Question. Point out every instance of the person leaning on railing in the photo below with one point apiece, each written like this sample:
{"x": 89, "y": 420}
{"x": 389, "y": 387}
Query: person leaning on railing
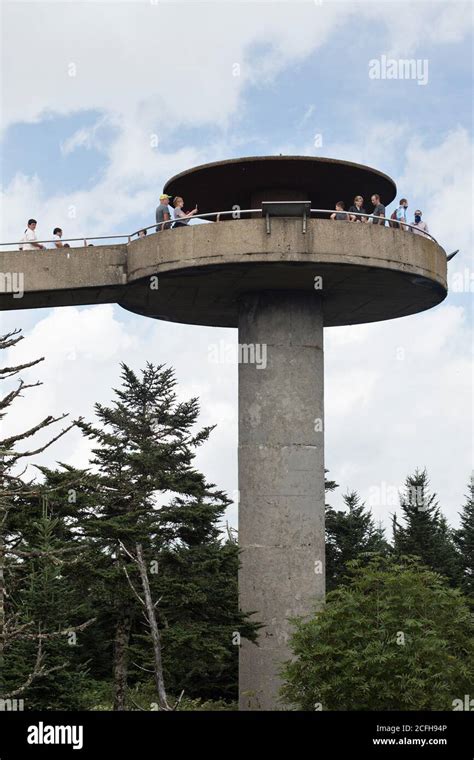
{"x": 340, "y": 215}
{"x": 29, "y": 238}
{"x": 181, "y": 217}
{"x": 401, "y": 214}
{"x": 30, "y": 241}
{"x": 57, "y": 235}
{"x": 379, "y": 210}
{"x": 358, "y": 206}
{"x": 162, "y": 213}
{"x": 421, "y": 227}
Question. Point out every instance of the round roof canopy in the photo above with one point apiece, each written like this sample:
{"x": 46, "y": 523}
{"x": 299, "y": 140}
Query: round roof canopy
{"x": 245, "y": 181}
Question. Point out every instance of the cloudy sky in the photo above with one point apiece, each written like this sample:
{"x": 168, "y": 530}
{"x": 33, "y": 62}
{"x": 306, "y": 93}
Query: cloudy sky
{"x": 103, "y": 101}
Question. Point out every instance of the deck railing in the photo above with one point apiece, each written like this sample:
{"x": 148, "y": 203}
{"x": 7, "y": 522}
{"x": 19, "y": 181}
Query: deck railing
{"x": 215, "y": 216}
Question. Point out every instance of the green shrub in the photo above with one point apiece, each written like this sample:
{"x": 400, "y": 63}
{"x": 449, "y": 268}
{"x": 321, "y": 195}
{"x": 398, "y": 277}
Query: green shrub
{"x": 396, "y": 637}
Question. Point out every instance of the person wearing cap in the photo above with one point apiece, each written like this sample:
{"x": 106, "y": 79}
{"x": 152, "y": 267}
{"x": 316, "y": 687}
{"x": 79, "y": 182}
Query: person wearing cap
{"x": 421, "y": 227}
{"x": 163, "y": 212}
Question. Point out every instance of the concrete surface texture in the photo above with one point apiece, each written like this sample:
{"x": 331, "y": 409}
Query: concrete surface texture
{"x": 368, "y": 272}
{"x": 281, "y": 477}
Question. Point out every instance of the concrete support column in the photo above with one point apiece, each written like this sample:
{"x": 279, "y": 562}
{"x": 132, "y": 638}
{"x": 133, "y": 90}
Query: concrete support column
{"x": 281, "y": 478}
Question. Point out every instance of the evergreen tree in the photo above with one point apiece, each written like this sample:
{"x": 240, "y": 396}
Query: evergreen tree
{"x": 198, "y": 611}
{"x": 143, "y": 454}
{"x": 349, "y": 535}
{"x": 42, "y": 593}
{"x": 425, "y": 532}
{"x": 464, "y": 539}
{"x": 29, "y": 556}
{"x": 329, "y": 485}
{"x": 330, "y": 538}
{"x": 71, "y": 497}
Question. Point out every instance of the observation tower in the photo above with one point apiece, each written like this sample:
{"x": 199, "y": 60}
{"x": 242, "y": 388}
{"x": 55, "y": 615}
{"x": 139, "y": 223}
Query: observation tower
{"x": 275, "y": 267}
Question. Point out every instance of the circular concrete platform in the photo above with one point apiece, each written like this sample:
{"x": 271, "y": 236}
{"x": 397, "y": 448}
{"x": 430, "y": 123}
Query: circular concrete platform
{"x": 245, "y": 182}
{"x": 369, "y": 273}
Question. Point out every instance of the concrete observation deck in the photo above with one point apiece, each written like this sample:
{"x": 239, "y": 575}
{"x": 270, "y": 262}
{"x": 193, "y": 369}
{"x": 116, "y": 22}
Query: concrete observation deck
{"x": 369, "y": 272}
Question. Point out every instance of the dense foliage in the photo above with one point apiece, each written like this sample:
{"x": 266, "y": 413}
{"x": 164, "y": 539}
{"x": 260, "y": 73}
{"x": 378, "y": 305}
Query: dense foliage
{"x": 394, "y": 637}
{"x": 118, "y": 583}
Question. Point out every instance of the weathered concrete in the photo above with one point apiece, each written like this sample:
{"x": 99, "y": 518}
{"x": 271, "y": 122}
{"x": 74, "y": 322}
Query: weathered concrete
{"x": 281, "y": 477}
{"x": 66, "y": 276}
{"x": 368, "y": 272}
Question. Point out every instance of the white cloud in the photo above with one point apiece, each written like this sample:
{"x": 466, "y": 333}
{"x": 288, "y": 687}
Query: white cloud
{"x": 194, "y": 62}
{"x": 384, "y": 416}
{"x": 411, "y": 406}
{"x": 85, "y": 58}
{"x": 86, "y": 137}
{"x": 85, "y": 53}
{"x": 442, "y": 175}
{"x": 387, "y": 411}
{"x": 128, "y": 188}
{"x": 90, "y": 338}
{"x": 83, "y": 348}
{"x": 427, "y": 23}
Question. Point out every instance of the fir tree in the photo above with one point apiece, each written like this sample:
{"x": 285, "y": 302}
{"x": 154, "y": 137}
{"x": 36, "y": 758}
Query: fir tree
{"x": 349, "y": 535}
{"x": 330, "y": 538}
{"x": 425, "y": 532}
{"x": 143, "y": 454}
{"x": 42, "y": 592}
{"x": 27, "y": 620}
{"x": 72, "y": 499}
{"x": 464, "y": 539}
{"x": 197, "y": 585}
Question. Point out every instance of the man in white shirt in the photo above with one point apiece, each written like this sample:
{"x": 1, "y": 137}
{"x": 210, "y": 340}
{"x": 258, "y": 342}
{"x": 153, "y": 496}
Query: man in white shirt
{"x": 57, "y": 235}
{"x": 29, "y": 238}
